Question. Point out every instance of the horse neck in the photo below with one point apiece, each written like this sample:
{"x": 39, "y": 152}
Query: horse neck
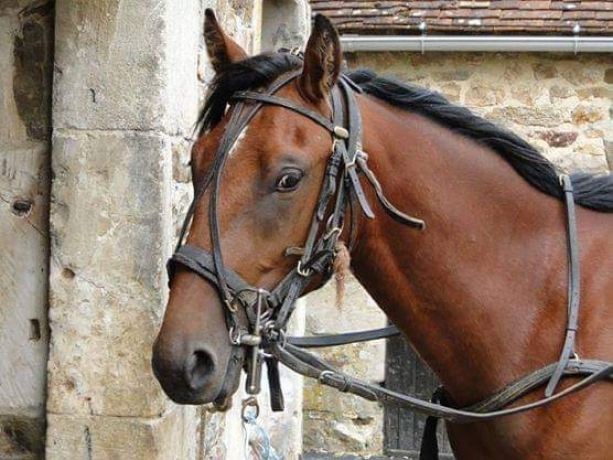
{"x": 480, "y": 292}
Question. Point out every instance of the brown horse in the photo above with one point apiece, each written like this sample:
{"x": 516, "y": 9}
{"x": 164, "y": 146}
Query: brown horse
{"x": 481, "y": 293}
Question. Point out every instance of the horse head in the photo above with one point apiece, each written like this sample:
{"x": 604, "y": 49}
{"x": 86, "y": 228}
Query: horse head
{"x": 257, "y": 173}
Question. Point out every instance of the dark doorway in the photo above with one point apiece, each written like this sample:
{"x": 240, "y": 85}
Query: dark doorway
{"x": 403, "y": 429}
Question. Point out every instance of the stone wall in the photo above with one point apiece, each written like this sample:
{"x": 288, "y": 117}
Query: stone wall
{"x": 562, "y": 104}
{"x": 26, "y": 62}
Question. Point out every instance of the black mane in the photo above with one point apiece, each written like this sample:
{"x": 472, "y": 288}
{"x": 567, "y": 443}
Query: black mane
{"x": 591, "y": 191}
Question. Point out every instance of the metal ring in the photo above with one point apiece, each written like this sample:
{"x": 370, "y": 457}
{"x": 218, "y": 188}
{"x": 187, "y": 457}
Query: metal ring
{"x": 250, "y": 402}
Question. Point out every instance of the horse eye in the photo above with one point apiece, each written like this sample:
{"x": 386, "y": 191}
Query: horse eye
{"x": 288, "y": 181}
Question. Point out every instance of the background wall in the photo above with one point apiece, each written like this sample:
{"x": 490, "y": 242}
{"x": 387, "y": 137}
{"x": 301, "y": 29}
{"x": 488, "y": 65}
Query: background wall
{"x": 562, "y": 104}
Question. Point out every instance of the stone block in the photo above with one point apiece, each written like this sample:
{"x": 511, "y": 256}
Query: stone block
{"x": 174, "y": 436}
{"x": 608, "y": 149}
{"x": 109, "y": 77}
{"x": 586, "y": 113}
{"x": 483, "y": 96}
{"x": 24, "y": 196}
{"x": 111, "y": 234}
{"x": 547, "y": 116}
{"x": 284, "y": 24}
{"x": 558, "y": 138}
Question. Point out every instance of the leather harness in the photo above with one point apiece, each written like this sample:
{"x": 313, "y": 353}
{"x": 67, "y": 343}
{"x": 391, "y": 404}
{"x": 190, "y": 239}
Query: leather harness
{"x": 257, "y": 318}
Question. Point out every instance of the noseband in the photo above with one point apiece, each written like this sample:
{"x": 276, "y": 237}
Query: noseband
{"x": 255, "y": 316}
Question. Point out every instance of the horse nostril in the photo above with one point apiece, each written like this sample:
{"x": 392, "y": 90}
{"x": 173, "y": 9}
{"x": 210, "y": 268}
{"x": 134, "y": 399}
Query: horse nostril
{"x": 198, "y": 369}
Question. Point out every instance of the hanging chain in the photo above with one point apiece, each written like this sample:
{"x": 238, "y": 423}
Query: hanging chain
{"x": 257, "y": 442}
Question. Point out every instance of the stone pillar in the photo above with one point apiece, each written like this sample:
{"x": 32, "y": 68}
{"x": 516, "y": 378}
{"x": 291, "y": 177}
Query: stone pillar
{"x": 125, "y": 98}
{"x": 26, "y": 62}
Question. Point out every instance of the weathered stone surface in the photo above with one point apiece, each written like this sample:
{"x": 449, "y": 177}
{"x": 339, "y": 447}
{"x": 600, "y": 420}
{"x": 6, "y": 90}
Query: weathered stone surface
{"x": 586, "y": 114}
{"x": 608, "y": 148}
{"x": 544, "y": 71}
{"x": 608, "y": 76}
{"x": 558, "y": 138}
{"x": 459, "y": 74}
{"x": 562, "y": 91}
{"x": 108, "y": 77}
{"x": 605, "y": 91}
{"x": 451, "y": 91}
{"x": 528, "y": 116}
{"x": 110, "y": 230}
{"x": 284, "y": 25}
{"x": 528, "y": 94}
{"x": 481, "y": 96}
{"x": 580, "y": 74}
{"x": 119, "y": 438}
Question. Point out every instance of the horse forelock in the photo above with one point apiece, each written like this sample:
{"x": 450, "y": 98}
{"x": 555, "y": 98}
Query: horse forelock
{"x": 249, "y": 74}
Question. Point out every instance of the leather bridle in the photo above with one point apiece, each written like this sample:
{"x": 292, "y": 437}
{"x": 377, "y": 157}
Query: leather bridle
{"x": 265, "y": 314}
{"x": 257, "y": 318}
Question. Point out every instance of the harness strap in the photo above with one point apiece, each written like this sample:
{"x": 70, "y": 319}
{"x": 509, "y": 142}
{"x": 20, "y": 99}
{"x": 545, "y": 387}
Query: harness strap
{"x": 201, "y": 262}
{"x": 390, "y": 209}
{"x": 574, "y": 286}
{"x": 343, "y": 339}
{"x": 312, "y": 366}
{"x": 276, "y": 100}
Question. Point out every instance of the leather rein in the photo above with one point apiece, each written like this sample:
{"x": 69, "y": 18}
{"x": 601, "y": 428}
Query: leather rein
{"x": 257, "y": 318}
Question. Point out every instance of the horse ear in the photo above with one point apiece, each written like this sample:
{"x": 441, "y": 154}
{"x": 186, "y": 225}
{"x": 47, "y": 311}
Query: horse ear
{"x": 322, "y": 61}
{"x": 222, "y": 49}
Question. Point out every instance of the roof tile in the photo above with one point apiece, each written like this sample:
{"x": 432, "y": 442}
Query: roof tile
{"x": 538, "y": 17}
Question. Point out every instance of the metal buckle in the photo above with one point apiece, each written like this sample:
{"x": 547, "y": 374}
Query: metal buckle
{"x": 304, "y": 272}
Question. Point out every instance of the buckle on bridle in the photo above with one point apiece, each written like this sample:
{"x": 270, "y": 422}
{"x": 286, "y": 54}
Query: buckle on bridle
{"x": 304, "y": 272}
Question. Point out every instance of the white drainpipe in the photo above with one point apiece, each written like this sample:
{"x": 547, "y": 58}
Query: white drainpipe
{"x": 481, "y": 43}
